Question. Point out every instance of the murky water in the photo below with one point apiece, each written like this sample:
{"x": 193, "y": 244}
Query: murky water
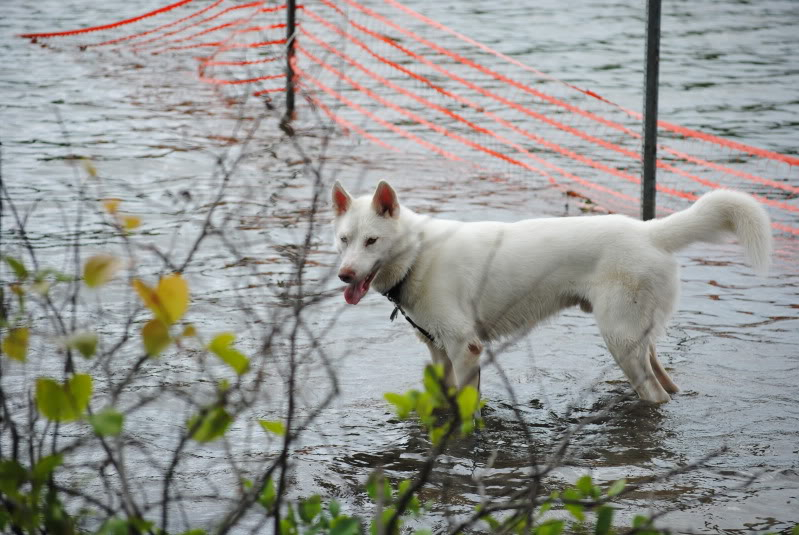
{"x": 155, "y": 133}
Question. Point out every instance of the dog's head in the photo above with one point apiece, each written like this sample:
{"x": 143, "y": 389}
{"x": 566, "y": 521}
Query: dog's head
{"x": 366, "y": 231}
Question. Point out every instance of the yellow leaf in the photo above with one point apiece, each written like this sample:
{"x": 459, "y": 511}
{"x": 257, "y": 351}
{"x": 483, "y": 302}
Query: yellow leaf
{"x": 168, "y": 301}
{"x": 146, "y": 293}
{"x": 15, "y": 345}
{"x": 155, "y": 336}
{"x": 189, "y": 331}
{"x": 130, "y": 222}
{"x": 111, "y": 205}
{"x": 100, "y": 269}
{"x": 88, "y": 165}
{"x": 174, "y": 295}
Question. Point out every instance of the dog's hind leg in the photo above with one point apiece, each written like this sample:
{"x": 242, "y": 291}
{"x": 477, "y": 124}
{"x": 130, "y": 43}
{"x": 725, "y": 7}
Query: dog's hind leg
{"x": 628, "y": 317}
{"x": 633, "y": 358}
{"x": 661, "y": 373}
{"x": 628, "y": 342}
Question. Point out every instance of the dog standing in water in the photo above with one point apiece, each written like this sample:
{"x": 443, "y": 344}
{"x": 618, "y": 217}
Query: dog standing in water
{"x": 463, "y": 284}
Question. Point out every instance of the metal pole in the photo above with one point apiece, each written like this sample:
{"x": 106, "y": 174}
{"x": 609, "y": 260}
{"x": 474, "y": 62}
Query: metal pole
{"x": 649, "y": 152}
{"x": 290, "y": 37}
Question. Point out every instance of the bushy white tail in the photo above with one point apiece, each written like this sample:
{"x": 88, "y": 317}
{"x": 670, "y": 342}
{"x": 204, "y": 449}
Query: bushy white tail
{"x": 713, "y": 216}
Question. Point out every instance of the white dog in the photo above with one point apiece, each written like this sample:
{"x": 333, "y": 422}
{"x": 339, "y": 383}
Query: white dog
{"x": 462, "y": 284}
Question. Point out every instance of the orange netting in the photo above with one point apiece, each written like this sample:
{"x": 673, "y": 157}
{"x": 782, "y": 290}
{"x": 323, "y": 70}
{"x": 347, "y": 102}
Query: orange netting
{"x": 398, "y": 78}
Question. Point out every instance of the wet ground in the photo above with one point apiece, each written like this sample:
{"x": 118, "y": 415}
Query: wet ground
{"x": 154, "y": 139}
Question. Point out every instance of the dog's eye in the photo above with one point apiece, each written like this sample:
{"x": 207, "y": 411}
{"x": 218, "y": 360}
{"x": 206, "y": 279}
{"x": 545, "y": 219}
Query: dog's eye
{"x": 344, "y": 240}
{"x": 370, "y": 241}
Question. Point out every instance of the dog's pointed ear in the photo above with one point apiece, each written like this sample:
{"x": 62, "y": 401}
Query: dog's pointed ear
{"x": 341, "y": 199}
{"x": 385, "y": 200}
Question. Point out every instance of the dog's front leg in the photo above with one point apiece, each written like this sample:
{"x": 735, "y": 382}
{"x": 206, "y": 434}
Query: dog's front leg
{"x": 439, "y": 356}
{"x": 465, "y": 359}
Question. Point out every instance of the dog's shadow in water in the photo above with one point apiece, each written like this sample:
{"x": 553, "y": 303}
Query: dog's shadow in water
{"x": 613, "y": 431}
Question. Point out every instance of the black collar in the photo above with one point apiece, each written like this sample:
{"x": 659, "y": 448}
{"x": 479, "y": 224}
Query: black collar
{"x": 393, "y": 295}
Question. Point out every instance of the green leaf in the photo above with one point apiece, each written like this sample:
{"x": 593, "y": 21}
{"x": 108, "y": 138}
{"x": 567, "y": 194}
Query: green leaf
{"x": 345, "y": 526}
{"x": 616, "y": 488}
{"x": 424, "y": 407}
{"x": 492, "y": 522}
{"x": 79, "y": 392}
{"x": 107, "y": 422}
{"x": 604, "y": 520}
{"x": 155, "y": 336}
{"x": 640, "y": 521}
{"x": 551, "y": 527}
{"x": 63, "y": 403}
{"x": 114, "y": 526}
{"x": 584, "y": 485}
{"x": 221, "y": 346}
{"x": 12, "y": 476}
{"x": 310, "y": 508}
{"x": 213, "y": 425}
{"x": 100, "y": 269}
{"x": 402, "y": 403}
{"x": 50, "y": 399}
{"x": 382, "y": 522}
{"x": 576, "y": 511}
{"x": 433, "y": 375}
{"x": 403, "y": 488}
{"x": 57, "y": 275}
{"x": 467, "y": 427}
{"x": 795, "y": 530}
{"x": 378, "y": 487}
{"x": 275, "y": 427}
{"x": 268, "y": 495}
{"x": 437, "y": 433}
{"x": 194, "y": 532}
{"x": 17, "y": 266}
{"x": 288, "y": 526}
{"x": 15, "y": 344}
{"x": 468, "y": 400}
{"x": 371, "y": 487}
{"x": 45, "y": 466}
{"x": 335, "y": 508}
{"x": 84, "y": 342}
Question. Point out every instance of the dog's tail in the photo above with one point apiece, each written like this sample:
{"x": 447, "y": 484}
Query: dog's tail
{"x": 713, "y": 216}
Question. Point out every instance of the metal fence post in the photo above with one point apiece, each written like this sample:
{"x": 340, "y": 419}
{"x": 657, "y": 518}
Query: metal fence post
{"x": 649, "y": 150}
{"x": 291, "y": 12}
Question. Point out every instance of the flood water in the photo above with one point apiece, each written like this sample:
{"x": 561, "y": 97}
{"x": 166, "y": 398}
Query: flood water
{"x": 155, "y": 133}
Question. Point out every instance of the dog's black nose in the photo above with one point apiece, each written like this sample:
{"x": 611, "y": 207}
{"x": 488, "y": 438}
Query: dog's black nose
{"x": 346, "y": 275}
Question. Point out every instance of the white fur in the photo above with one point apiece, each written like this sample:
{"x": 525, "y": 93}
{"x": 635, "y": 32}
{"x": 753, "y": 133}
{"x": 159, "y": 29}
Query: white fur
{"x": 470, "y": 283}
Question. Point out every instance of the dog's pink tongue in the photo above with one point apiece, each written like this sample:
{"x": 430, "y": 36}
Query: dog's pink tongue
{"x": 354, "y": 292}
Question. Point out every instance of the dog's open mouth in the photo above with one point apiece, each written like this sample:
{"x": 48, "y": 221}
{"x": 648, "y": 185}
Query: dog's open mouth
{"x": 354, "y": 292}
